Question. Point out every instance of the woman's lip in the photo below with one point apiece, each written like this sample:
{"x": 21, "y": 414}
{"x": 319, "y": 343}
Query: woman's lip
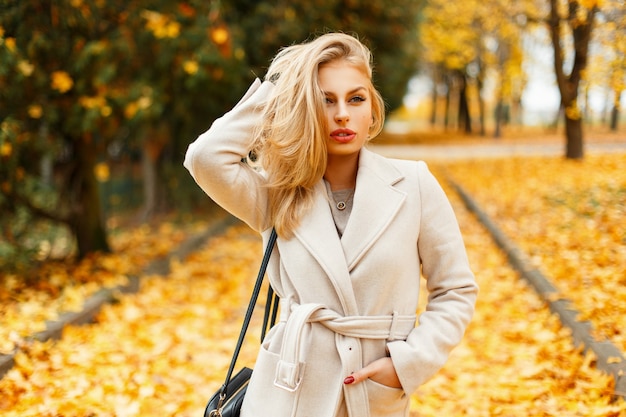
{"x": 343, "y": 135}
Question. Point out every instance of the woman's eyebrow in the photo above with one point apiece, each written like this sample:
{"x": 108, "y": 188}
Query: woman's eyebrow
{"x": 356, "y": 90}
{"x": 353, "y": 91}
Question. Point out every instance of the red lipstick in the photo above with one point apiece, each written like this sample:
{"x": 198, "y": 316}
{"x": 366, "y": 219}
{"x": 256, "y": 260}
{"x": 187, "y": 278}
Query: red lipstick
{"x": 343, "y": 135}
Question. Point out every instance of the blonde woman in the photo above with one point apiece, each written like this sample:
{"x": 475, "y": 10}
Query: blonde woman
{"x": 355, "y": 231}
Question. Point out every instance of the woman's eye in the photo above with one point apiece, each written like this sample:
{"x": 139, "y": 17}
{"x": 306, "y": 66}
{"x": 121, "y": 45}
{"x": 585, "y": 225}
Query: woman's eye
{"x": 328, "y": 100}
{"x": 357, "y": 99}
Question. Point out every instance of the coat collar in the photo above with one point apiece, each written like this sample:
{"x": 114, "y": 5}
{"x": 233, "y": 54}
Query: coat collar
{"x": 376, "y": 202}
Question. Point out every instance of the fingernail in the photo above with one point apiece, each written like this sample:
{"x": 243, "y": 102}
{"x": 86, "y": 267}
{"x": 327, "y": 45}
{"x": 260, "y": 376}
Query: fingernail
{"x": 348, "y": 380}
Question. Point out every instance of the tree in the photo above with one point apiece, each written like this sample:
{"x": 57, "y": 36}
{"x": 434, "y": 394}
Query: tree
{"x": 77, "y": 76}
{"x": 453, "y": 33}
{"x": 449, "y": 43}
{"x": 609, "y": 64}
{"x": 81, "y": 77}
{"x": 467, "y": 42}
{"x": 574, "y": 19}
{"x": 46, "y": 112}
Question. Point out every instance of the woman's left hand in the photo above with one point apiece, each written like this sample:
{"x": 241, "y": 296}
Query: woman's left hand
{"x": 381, "y": 371}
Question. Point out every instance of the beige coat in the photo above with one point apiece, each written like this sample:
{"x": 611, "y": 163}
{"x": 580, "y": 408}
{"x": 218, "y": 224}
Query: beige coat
{"x": 348, "y": 301}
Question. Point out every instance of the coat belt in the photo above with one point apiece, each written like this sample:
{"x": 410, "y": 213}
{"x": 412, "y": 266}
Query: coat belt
{"x": 290, "y": 367}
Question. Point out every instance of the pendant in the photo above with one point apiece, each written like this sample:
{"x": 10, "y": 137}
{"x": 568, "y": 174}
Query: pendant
{"x": 341, "y": 205}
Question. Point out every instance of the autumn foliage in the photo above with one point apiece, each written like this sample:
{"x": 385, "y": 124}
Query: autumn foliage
{"x": 92, "y": 88}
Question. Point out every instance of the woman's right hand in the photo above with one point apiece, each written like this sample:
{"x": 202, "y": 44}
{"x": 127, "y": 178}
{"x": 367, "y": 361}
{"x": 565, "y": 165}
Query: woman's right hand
{"x": 381, "y": 371}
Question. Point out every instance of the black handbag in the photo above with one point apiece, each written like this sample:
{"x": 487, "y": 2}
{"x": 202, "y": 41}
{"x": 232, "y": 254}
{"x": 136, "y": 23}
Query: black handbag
{"x": 227, "y": 401}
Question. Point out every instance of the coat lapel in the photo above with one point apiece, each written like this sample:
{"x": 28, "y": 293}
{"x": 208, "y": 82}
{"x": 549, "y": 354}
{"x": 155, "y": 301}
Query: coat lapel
{"x": 376, "y": 202}
{"x": 317, "y": 232}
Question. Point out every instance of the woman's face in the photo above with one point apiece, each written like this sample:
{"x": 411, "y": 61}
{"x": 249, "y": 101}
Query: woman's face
{"x": 348, "y": 107}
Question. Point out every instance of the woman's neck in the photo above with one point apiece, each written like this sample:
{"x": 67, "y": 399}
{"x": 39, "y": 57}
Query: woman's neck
{"x": 341, "y": 171}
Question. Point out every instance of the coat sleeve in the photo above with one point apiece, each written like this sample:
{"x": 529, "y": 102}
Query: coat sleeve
{"x": 214, "y": 159}
{"x": 451, "y": 285}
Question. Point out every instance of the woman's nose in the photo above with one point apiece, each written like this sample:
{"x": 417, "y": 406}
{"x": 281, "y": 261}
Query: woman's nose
{"x": 342, "y": 114}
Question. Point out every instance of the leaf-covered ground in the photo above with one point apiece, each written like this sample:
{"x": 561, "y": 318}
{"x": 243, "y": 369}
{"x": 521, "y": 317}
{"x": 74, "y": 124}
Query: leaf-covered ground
{"x": 570, "y": 218}
{"x": 159, "y": 352}
{"x": 61, "y": 286}
{"x": 164, "y": 350}
{"x": 516, "y": 358}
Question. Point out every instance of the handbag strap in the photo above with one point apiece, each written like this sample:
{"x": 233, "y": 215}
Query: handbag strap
{"x": 271, "y": 307}
{"x": 255, "y": 295}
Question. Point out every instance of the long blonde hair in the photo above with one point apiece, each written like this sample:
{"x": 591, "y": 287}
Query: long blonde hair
{"x": 291, "y": 141}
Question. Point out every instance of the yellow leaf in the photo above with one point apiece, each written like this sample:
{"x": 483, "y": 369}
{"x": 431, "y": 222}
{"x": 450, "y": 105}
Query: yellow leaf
{"x": 191, "y": 67}
{"x": 25, "y": 67}
{"x": 131, "y": 109}
{"x": 61, "y": 81}
{"x": 173, "y": 29}
{"x": 35, "y": 111}
{"x": 90, "y": 102}
{"x": 6, "y": 149}
{"x": 23, "y": 363}
{"x": 102, "y": 172}
{"x": 10, "y": 43}
{"x": 573, "y": 112}
{"x": 219, "y": 35}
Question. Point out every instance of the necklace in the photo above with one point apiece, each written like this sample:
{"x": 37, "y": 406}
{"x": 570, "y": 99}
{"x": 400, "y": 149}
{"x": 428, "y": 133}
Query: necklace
{"x": 341, "y": 204}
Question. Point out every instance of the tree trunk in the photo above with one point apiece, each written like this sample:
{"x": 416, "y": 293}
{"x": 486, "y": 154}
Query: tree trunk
{"x": 513, "y": 115}
{"x": 446, "y": 118}
{"x": 149, "y": 173}
{"x": 615, "y": 111}
{"x": 574, "y": 132}
{"x": 87, "y": 221}
{"x": 568, "y": 83}
{"x": 586, "y": 113}
{"x": 499, "y": 116}
{"x": 614, "y": 118}
{"x": 152, "y": 149}
{"x": 557, "y": 117}
{"x": 481, "y": 107}
{"x": 433, "y": 111}
{"x": 465, "y": 121}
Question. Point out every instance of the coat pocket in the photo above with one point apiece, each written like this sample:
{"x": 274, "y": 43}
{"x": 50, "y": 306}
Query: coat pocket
{"x": 386, "y": 401}
{"x": 263, "y": 398}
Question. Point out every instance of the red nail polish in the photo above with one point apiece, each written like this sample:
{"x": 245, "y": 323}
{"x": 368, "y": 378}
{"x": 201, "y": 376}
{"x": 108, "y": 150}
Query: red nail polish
{"x": 348, "y": 380}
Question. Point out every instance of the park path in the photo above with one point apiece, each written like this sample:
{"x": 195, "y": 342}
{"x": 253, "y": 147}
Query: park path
{"x": 488, "y": 149}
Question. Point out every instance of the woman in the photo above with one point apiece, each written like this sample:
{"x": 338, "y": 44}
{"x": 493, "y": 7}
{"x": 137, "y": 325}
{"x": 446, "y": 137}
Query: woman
{"x": 355, "y": 230}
